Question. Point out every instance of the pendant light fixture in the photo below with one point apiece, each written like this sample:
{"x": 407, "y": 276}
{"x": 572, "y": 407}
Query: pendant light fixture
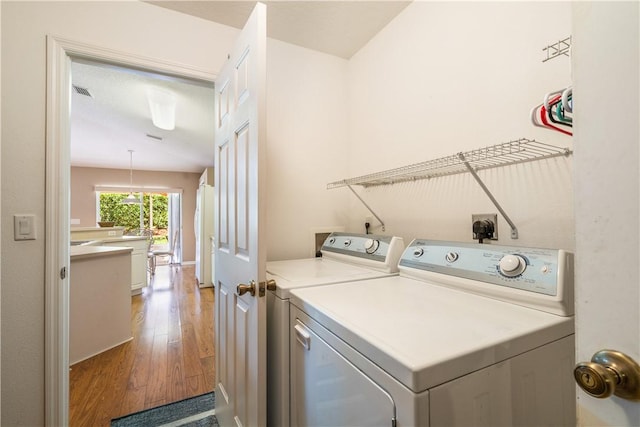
{"x": 131, "y": 199}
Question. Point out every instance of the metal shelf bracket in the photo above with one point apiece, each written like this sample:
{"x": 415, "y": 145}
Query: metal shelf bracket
{"x": 514, "y": 230}
{"x": 367, "y": 206}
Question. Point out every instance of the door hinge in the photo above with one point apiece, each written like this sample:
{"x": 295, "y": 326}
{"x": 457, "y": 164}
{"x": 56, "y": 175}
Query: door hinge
{"x": 63, "y": 273}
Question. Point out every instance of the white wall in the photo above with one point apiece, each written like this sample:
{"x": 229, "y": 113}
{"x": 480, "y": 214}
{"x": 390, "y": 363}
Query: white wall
{"x": 307, "y": 140}
{"x": 132, "y": 27}
{"x": 445, "y": 77}
{"x": 150, "y": 31}
{"x": 606, "y": 70}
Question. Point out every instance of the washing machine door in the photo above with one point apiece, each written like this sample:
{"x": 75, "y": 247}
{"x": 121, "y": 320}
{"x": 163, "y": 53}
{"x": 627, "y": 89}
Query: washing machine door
{"x": 328, "y": 390}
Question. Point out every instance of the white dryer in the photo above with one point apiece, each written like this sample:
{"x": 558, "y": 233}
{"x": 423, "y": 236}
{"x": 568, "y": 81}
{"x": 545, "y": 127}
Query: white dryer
{"x": 466, "y": 335}
{"x": 345, "y": 258}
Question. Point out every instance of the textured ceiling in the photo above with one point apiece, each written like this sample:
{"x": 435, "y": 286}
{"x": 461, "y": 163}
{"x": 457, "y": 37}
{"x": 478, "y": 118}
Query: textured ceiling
{"x": 338, "y": 28}
{"x": 116, "y": 118}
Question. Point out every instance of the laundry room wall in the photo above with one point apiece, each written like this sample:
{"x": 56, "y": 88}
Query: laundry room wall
{"x": 307, "y": 143}
{"x": 448, "y": 77}
{"x": 296, "y": 165}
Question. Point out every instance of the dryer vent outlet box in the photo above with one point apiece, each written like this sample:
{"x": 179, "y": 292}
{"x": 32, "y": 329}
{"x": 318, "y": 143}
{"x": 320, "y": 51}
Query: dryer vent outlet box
{"x": 320, "y": 238}
{"x": 486, "y": 217}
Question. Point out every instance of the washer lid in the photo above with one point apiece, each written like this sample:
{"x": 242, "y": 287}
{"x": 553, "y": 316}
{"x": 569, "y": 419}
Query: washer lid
{"x": 299, "y": 273}
{"x": 424, "y": 334}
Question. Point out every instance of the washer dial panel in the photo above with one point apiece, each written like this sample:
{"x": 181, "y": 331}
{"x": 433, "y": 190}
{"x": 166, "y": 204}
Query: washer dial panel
{"x": 530, "y": 269}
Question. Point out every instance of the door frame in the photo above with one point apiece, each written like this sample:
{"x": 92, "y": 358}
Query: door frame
{"x": 60, "y": 53}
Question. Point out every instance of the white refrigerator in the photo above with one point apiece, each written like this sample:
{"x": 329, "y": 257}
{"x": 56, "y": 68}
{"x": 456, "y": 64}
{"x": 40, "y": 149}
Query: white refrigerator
{"x": 203, "y": 224}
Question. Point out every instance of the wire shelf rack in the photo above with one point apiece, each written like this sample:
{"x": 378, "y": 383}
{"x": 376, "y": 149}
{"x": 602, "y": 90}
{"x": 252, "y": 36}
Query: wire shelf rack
{"x": 508, "y": 153}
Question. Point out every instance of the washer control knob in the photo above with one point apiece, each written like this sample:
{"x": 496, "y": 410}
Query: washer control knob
{"x": 371, "y": 245}
{"x": 512, "y": 265}
{"x": 332, "y": 240}
{"x": 417, "y": 252}
{"x": 347, "y": 243}
{"x": 451, "y": 256}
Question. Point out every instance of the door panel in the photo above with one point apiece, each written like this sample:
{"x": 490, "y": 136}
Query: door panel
{"x": 223, "y": 194}
{"x": 240, "y": 255}
{"x": 242, "y": 348}
{"x": 242, "y": 213}
{"x": 607, "y": 225}
{"x": 223, "y": 102}
{"x": 222, "y": 350}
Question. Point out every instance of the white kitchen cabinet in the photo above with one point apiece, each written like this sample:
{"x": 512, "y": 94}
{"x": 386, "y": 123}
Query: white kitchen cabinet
{"x": 139, "y": 244}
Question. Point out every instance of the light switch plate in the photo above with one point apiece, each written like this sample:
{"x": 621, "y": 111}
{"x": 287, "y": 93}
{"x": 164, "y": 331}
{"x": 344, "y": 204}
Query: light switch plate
{"x": 24, "y": 227}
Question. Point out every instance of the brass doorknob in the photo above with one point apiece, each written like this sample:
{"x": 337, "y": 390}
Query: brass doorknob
{"x": 242, "y": 289}
{"x": 609, "y": 372}
{"x": 271, "y": 285}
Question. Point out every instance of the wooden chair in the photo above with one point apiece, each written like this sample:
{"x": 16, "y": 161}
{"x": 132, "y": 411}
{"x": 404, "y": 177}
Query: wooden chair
{"x": 163, "y": 253}
{"x": 148, "y": 233}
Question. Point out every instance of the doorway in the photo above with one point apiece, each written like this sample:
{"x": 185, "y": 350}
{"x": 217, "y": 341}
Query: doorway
{"x": 61, "y": 53}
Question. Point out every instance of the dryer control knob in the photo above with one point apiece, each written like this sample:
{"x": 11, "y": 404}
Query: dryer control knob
{"x": 512, "y": 265}
{"x": 371, "y": 245}
{"x": 451, "y": 256}
{"x": 417, "y": 252}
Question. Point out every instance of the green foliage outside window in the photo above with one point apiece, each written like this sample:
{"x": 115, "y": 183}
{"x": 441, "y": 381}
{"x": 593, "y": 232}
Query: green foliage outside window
{"x": 112, "y": 209}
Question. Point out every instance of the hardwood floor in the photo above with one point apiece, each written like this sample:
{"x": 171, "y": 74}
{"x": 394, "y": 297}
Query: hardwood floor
{"x": 171, "y": 356}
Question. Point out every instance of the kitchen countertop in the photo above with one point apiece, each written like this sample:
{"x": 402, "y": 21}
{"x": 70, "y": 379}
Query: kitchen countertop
{"x": 98, "y": 241}
{"x": 85, "y": 251}
{"x": 117, "y": 227}
{"x": 117, "y": 239}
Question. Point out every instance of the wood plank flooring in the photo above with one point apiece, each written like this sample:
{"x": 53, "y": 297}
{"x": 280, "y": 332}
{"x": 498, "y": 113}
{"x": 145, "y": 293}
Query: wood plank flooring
{"x": 170, "y": 358}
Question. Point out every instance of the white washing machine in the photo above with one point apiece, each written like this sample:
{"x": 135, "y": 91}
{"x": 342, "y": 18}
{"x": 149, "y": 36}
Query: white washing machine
{"x": 466, "y": 335}
{"x": 345, "y": 258}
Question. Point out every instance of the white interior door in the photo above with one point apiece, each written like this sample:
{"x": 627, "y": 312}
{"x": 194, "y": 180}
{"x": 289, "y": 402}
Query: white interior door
{"x": 607, "y": 194}
{"x": 240, "y": 255}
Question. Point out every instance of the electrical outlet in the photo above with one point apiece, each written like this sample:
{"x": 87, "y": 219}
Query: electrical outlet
{"x": 490, "y": 217}
{"x": 368, "y": 220}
